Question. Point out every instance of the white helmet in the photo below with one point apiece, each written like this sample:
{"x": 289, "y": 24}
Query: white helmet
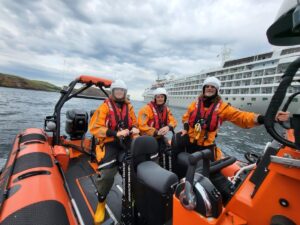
{"x": 118, "y": 84}
{"x": 213, "y": 81}
{"x": 160, "y": 91}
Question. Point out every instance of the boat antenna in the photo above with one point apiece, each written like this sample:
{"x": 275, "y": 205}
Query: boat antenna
{"x": 158, "y": 78}
{"x": 225, "y": 54}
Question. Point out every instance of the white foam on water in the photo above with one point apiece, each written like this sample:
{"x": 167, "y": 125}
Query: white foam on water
{"x": 2, "y": 162}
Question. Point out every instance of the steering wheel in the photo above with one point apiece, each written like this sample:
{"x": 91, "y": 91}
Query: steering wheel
{"x": 277, "y": 100}
{"x": 287, "y": 125}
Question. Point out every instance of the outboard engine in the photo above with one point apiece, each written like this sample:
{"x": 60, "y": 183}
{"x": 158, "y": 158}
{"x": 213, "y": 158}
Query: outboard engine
{"x": 76, "y": 123}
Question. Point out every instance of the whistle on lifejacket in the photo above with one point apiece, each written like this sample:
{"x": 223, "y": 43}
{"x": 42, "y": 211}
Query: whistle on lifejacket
{"x": 197, "y": 130}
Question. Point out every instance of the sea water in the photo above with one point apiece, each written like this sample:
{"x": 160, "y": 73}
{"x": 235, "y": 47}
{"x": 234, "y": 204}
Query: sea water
{"x": 21, "y": 109}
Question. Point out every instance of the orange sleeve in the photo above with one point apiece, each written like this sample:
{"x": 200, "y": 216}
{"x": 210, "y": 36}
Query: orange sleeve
{"x": 97, "y": 126}
{"x": 172, "y": 120}
{"x": 132, "y": 116}
{"x": 186, "y": 116}
{"x": 240, "y": 118}
{"x": 143, "y": 118}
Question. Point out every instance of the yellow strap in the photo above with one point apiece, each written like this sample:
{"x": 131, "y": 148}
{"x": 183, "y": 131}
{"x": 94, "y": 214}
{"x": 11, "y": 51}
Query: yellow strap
{"x": 100, "y": 152}
{"x": 218, "y": 153}
{"x": 197, "y": 131}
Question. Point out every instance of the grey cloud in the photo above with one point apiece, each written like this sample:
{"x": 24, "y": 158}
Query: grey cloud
{"x": 75, "y": 10}
{"x": 133, "y": 38}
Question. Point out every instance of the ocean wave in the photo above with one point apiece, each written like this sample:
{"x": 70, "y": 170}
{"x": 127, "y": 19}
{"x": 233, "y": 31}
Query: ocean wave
{"x": 9, "y": 113}
{"x": 2, "y": 162}
{"x": 30, "y": 109}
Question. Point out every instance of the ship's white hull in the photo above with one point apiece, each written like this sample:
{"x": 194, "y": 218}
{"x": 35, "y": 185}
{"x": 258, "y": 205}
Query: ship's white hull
{"x": 248, "y": 104}
{"x": 246, "y": 83}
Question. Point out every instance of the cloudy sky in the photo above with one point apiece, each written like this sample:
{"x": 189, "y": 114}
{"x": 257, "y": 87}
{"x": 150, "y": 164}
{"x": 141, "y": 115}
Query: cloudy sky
{"x": 133, "y": 40}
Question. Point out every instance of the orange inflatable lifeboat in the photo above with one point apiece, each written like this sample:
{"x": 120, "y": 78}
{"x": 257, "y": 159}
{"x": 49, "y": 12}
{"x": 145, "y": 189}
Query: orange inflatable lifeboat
{"x": 47, "y": 179}
{"x": 32, "y": 187}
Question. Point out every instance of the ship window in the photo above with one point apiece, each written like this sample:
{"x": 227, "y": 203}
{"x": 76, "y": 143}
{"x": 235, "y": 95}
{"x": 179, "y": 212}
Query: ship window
{"x": 265, "y": 99}
{"x": 256, "y": 81}
{"x": 233, "y": 99}
{"x": 253, "y": 99}
{"x": 249, "y": 103}
{"x": 254, "y": 90}
{"x": 242, "y": 99}
{"x": 295, "y": 100}
{"x": 245, "y": 91}
{"x": 226, "y": 98}
{"x": 266, "y": 90}
{"x": 236, "y": 91}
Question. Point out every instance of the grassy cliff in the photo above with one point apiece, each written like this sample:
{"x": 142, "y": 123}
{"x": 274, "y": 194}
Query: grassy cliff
{"x": 19, "y": 82}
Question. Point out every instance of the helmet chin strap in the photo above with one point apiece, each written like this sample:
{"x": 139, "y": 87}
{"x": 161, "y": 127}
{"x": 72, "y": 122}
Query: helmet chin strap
{"x": 159, "y": 104}
{"x": 119, "y": 100}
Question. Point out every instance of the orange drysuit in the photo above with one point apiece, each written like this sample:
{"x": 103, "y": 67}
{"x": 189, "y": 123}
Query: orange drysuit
{"x": 146, "y": 115}
{"x": 226, "y": 112}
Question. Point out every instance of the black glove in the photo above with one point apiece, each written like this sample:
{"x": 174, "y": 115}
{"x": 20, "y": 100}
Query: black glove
{"x": 186, "y": 126}
{"x": 261, "y": 119}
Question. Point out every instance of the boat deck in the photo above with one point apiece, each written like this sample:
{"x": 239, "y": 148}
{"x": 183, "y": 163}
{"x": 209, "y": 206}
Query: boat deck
{"x": 84, "y": 192}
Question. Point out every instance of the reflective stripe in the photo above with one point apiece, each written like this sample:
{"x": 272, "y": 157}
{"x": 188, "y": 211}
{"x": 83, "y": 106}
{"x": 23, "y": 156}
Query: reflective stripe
{"x": 154, "y": 156}
{"x": 106, "y": 164}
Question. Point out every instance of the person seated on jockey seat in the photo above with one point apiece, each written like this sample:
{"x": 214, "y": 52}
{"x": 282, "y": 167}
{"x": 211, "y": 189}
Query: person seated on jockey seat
{"x": 156, "y": 119}
{"x": 204, "y": 117}
{"x": 113, "y": 119}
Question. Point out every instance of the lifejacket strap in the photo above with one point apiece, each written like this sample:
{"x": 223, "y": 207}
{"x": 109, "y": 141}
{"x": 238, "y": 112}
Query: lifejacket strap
{"x": 171, "y": 128}
{"x": 186, "y": 126}
{"x": 111, "y": 133}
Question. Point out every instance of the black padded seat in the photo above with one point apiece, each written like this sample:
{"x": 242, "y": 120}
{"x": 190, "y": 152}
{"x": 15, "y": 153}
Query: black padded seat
{"x": 142, "y": 148}
{"x": 216, "y": 177}
{"x": 182, "y": 163}
{"x": 183, "y": 158}
{"x": 92, "y": 112}
{"x": 155, "y": 177}
{"x": 154, "y": 187}
{"x": 216, "y": 166}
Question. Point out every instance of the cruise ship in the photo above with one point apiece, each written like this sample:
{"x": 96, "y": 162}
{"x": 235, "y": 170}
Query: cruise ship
{"x": 247, "y": 83}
